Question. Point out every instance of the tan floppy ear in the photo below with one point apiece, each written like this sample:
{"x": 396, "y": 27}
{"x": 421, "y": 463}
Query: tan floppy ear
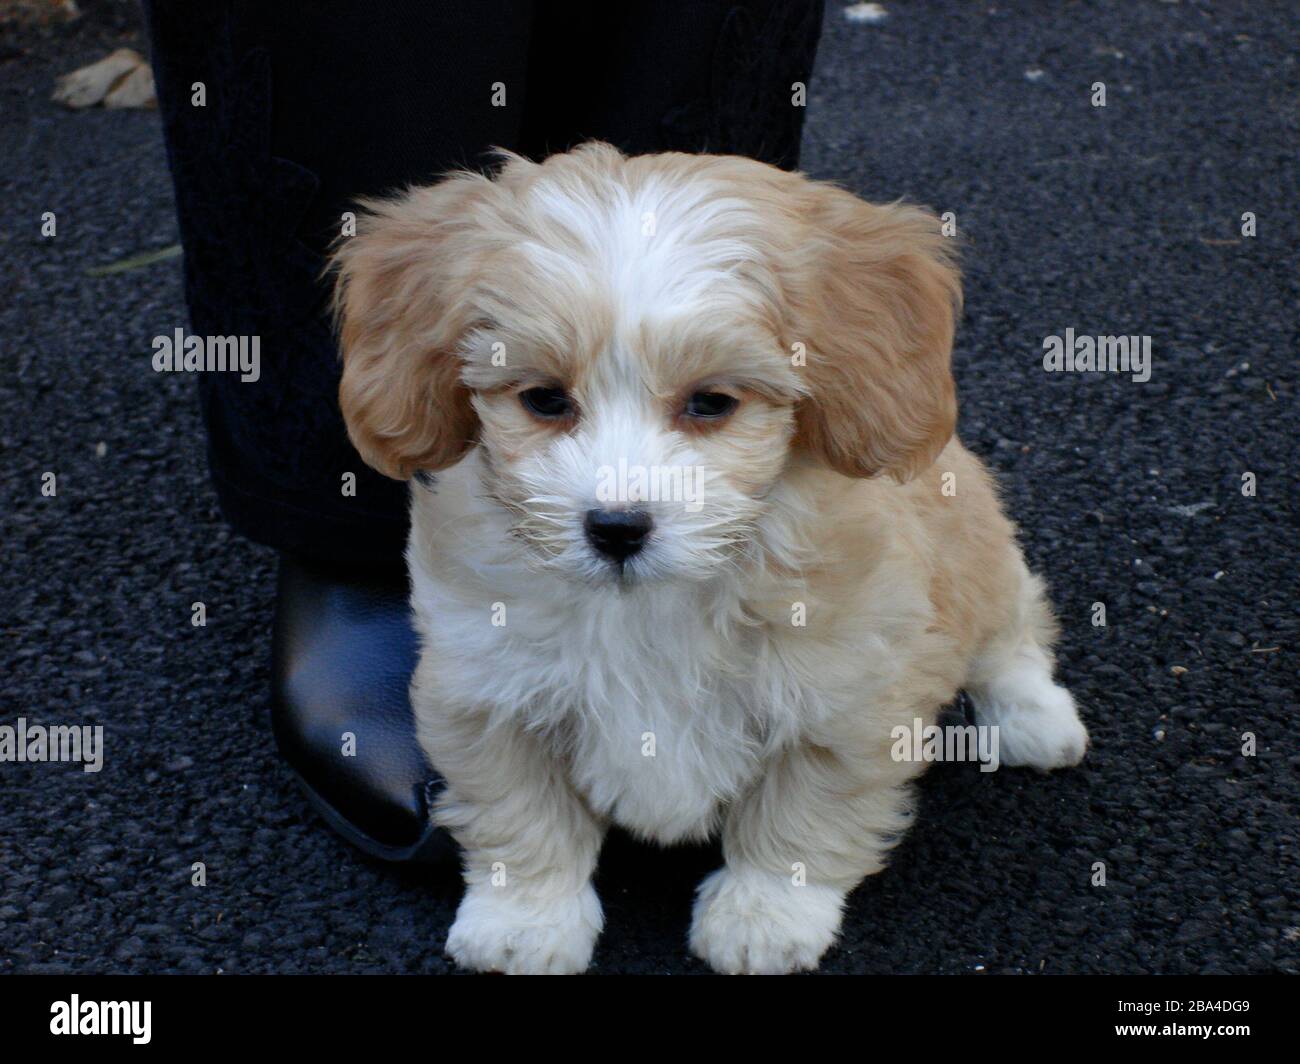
{"x": 400, "y": 316}
{"x": 878, "y": 319}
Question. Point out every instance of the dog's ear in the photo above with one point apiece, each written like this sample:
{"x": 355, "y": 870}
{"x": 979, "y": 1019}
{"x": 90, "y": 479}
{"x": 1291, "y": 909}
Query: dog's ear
{"x": 880, "y": 295}
{"x": 400, "y": 313}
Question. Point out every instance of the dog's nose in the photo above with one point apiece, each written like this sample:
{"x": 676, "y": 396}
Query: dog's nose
{"x": 617, "y": 534}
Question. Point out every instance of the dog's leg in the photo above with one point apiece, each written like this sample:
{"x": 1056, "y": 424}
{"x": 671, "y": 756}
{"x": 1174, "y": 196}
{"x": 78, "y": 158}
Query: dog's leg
{"x": 530, "y": 849}
{"x": 1011, "y": 685}
{"x": 815, "y": 825}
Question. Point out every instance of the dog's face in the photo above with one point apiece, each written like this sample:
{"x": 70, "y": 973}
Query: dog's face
{"x": 638, "y": 346}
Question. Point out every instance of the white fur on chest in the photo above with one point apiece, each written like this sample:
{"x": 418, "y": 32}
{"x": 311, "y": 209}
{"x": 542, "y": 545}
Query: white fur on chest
{"x": 652, "y": 699}
{"x": 661, "y": 703}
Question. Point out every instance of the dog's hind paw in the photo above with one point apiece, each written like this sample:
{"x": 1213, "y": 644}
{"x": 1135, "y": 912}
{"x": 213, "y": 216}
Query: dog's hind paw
{"x": 1038, "y": 724}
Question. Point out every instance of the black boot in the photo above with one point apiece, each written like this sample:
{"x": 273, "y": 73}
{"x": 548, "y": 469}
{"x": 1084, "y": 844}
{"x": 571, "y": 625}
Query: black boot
{"x": 342, "y": 658}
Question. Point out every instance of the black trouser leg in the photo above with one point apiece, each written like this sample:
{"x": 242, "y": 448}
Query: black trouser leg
{"x": 308, "y": 106}
{"x": 648, "y": 76}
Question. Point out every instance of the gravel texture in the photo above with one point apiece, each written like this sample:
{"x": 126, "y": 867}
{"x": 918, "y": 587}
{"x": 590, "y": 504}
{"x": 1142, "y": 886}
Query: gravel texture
{"x": 1117, "y": 220}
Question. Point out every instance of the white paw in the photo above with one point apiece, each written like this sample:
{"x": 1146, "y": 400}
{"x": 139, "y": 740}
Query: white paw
{"x": 1038, "y": 725}
{"x": 496, "y": 931}
{"x": 758, "y": 923}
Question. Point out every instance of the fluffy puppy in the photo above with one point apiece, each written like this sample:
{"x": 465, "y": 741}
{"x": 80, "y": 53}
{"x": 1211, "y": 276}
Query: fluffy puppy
{"x": 700, "y": 540}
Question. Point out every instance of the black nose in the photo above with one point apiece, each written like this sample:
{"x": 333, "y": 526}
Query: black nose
{"x": 617, "y": 534}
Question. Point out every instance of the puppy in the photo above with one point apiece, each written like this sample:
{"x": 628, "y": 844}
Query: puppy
{"x": 701, "y": 537}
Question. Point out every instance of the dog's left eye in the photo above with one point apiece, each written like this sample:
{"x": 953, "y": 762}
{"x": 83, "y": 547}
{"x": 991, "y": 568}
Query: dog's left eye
{"x": 710, "y": 405}
{"x": 546, "y": 402}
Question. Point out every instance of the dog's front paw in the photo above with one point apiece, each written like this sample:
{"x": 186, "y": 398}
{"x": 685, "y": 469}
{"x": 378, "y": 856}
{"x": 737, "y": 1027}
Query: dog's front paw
{"x": 758, "y": 923}
{"x": 498, "y": 931}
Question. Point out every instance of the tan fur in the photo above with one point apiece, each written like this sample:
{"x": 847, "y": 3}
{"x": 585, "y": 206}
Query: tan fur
{"x": 401, "y": 395}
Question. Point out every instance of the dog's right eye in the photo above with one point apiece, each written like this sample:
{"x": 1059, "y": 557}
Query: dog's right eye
{"x": 546, "y": 402}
